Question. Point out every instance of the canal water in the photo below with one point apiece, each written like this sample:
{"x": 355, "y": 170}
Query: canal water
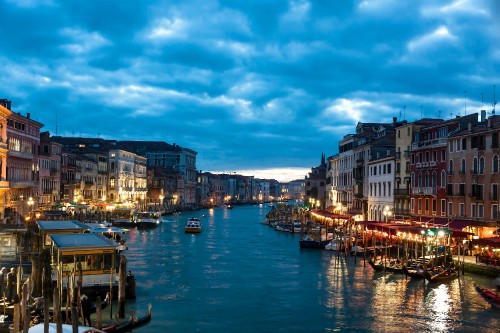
{"x": 241, "y": 276}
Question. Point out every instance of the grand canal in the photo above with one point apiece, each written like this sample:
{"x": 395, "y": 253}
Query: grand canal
{"x": 241, "y": 276}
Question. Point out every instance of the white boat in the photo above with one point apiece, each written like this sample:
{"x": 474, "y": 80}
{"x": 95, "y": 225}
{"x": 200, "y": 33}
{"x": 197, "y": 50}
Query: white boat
{"x": 149, "y": 219}
{"x": 334, "y": 245}
{"x": 65, "y": 329}
{"x": 193, "y": 226}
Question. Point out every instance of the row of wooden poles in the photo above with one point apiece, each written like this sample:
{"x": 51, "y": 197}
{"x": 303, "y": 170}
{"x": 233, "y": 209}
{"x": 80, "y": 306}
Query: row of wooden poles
{"x": 22, "y": 310}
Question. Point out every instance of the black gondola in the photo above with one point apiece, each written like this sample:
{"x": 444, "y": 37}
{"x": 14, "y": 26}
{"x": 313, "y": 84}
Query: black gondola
{"x": 441, "y": 274}
{"x": 130, "y": 324}
{"x": 377, "y": 267}
{"x": 416, "y": 272}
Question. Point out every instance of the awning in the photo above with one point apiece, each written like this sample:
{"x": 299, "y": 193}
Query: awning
{"x": 492, "y": 241}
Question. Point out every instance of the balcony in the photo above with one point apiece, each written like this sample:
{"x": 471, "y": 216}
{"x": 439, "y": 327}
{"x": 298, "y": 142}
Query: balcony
{"x": 418, "y": 165}
{"x": 20, "y": 154}
{"x": 424, "y": 191}
{"x": 432, "y": 164}
{"x": 401, "y": 191}
{"x": 429, "y": 144}
{"x": 21, "y": 183}
{"x": 360, "y": 161}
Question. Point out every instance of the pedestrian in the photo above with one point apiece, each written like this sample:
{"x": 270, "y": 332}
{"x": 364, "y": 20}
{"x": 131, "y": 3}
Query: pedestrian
{"x": 466, "y": 248}
{"x": 11, "y": 284}
{"x": 3, "y": 274}
{"x": 87, "y": 310}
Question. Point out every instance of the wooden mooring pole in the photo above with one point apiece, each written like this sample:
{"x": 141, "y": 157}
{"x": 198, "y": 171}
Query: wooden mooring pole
{"x": 122, "y": 285}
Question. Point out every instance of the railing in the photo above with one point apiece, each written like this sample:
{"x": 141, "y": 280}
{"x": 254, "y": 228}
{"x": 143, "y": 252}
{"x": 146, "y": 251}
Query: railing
{"x": 424, "y": 190}
{"x": 432, "y": 164}
{"x": 401, "y": 191}
{"x": 429, "y": 143}
{"x": 418, "y": 165}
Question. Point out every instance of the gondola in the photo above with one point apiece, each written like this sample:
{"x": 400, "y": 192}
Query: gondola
{"x": 441, "y": 274}
{"x": 130, "y": 324}
{"x": 377, "y": 267}
{"x": 489, "y": 295}
{"x": 394, "y": 267}
{"x": 38, "y": 308}
{"x": 416, "y": 272}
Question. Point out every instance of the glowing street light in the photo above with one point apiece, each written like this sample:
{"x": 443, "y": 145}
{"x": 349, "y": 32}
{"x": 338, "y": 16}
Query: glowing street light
{"x": 30, "y": 205}
{"x": 387, "y": 213}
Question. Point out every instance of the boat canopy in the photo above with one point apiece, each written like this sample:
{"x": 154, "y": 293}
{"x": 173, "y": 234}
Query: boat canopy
{"x": 82, "y": 242}
{"x": 66, "y": 226}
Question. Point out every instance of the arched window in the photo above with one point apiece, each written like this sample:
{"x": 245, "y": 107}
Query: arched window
{"x": 474, "y": 165}
{"x": 443, "y": 178}
{"x": 481, "y": 165}
{"x": 420, "y": 179}
{"x": 462, "y": 167}
{"x": 450, "y": 167}
{"x": 427, "y": 180}
{"x": 495, "y": 163}
{"x": 434, "y": 178}
{"x": 413, "y": 180}
{"x": 112, "y": 182}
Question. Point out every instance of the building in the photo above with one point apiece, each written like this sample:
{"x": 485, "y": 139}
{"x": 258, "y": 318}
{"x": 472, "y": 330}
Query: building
{"x": 428, "y": 166}
{"x": 5, "y": 113}
{"x": 23, "y": 135}
{"x": 315, "y": 184}
{"x": 49, "y": 164}
{"x": 126, "y": 171}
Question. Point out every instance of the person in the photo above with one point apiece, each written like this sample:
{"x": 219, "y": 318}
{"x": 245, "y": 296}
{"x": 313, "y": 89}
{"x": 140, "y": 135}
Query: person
{"x": 3, "y": 274}
{"x": 466, "y": 248}
{"x": 87, "y": 310}
{"x": 11, "y": 284}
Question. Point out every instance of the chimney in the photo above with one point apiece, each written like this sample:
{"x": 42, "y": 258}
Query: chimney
{"x": 489, "y": 122}
{"x": 28, "y": 115}
{"x": 483, "y": 116}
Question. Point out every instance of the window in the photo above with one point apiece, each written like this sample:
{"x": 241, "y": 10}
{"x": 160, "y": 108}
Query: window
{"x": 481, "y": 165}
{"x": 462, "y": 209}
{"x": 494, "y": 211}
{"x": 462, "y": 167}
{"x": 450, "y": 208}
{"x": 474, "y": 165}
{"x": 494, "y": 192}
{"x": 480, "y": 210}
{"x": 443, "y": 207}
{"x": 443, "y": 178}
{"x": 495, "y": 163}
{"x": 464, "y": 143}
{"x": 389, "y": 168}
{"x": 473, "y": 210}
{"x": 450, "y": 167}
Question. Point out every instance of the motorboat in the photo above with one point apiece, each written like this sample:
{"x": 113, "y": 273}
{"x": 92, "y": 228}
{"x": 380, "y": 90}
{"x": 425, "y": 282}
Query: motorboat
{"x": 149, "y": 219}
{"x": 193, "y": 226}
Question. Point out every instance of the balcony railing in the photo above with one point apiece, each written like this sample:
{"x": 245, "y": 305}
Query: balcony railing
{"x": 401, "y": 191}
{"x": 429, "y": 143}
{"x": 424, "y": 190}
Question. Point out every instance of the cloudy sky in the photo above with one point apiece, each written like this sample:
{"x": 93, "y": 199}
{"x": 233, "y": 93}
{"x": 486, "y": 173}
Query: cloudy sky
{"x": 248, "y": 84}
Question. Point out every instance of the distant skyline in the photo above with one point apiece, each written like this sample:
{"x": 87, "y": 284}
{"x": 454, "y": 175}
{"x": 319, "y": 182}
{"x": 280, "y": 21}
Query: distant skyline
{"x": 250, "y": 85}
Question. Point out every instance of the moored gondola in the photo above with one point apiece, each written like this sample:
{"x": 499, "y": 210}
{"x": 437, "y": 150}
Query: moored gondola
{"x": 378, "y": 267}
{"x": 441, "y": 274}
{"x": 130, "y": 324}
{"x": 416, "y": 272}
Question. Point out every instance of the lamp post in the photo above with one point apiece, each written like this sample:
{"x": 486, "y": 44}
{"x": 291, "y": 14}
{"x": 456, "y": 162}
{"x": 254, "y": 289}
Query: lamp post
{"x": 387, "y": 213}
{"x": 30, "y": 205}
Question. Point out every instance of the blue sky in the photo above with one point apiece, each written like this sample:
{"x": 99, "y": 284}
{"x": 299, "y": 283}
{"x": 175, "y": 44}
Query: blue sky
{"x": 248, "y": 84}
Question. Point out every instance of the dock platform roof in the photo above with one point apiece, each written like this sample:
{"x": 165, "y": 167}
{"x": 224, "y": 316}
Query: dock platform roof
{"x": 68, "y": 225}
{"x": 82, "y": 241}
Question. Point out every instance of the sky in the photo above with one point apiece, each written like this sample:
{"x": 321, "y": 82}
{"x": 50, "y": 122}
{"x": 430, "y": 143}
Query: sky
{"x": 254, "y": 86}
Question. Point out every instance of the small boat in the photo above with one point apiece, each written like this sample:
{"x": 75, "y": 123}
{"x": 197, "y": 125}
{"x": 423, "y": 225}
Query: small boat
{"x": 394, "y": 266}
{"x": 149, "y": 219}
{"x": 414, "y": 271}
{"x": 441, "y": 274}
{"x": 334, "y": 245}
{"x": 130, "y": 324}
{"x": 357, "y": 251}
{"x": 378, "y": 267}
{"x": 308, "y": 242}
{"x": 66, "y": 328}
{"x": 489, "y": 295}
{"x": 193, "y": 226}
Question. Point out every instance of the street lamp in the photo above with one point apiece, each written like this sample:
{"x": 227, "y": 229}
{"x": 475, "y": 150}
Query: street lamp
{"x": 387, "y": 213}
{"x": 30, "y": 205}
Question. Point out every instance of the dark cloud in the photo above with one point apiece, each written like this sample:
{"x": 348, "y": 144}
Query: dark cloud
{"x": 247, "y": 84}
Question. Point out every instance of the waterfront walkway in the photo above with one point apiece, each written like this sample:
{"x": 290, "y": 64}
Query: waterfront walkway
{"x": 471, "y": 265}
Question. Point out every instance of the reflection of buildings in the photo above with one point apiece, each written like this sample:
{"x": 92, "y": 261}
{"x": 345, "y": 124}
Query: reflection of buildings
{"x": 22, "y": 162}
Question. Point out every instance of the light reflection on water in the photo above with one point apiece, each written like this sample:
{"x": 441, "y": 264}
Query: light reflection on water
{"x": 239, "y": 275}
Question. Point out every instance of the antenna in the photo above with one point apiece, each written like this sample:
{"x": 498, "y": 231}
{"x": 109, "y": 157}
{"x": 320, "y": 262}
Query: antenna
{"x": 482, "y": 101}
{"x": 56, "y": 121}
{"x": 404, "y": 112}
{"x": 465, "y": 102}
{"x": 494, "y": 98}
